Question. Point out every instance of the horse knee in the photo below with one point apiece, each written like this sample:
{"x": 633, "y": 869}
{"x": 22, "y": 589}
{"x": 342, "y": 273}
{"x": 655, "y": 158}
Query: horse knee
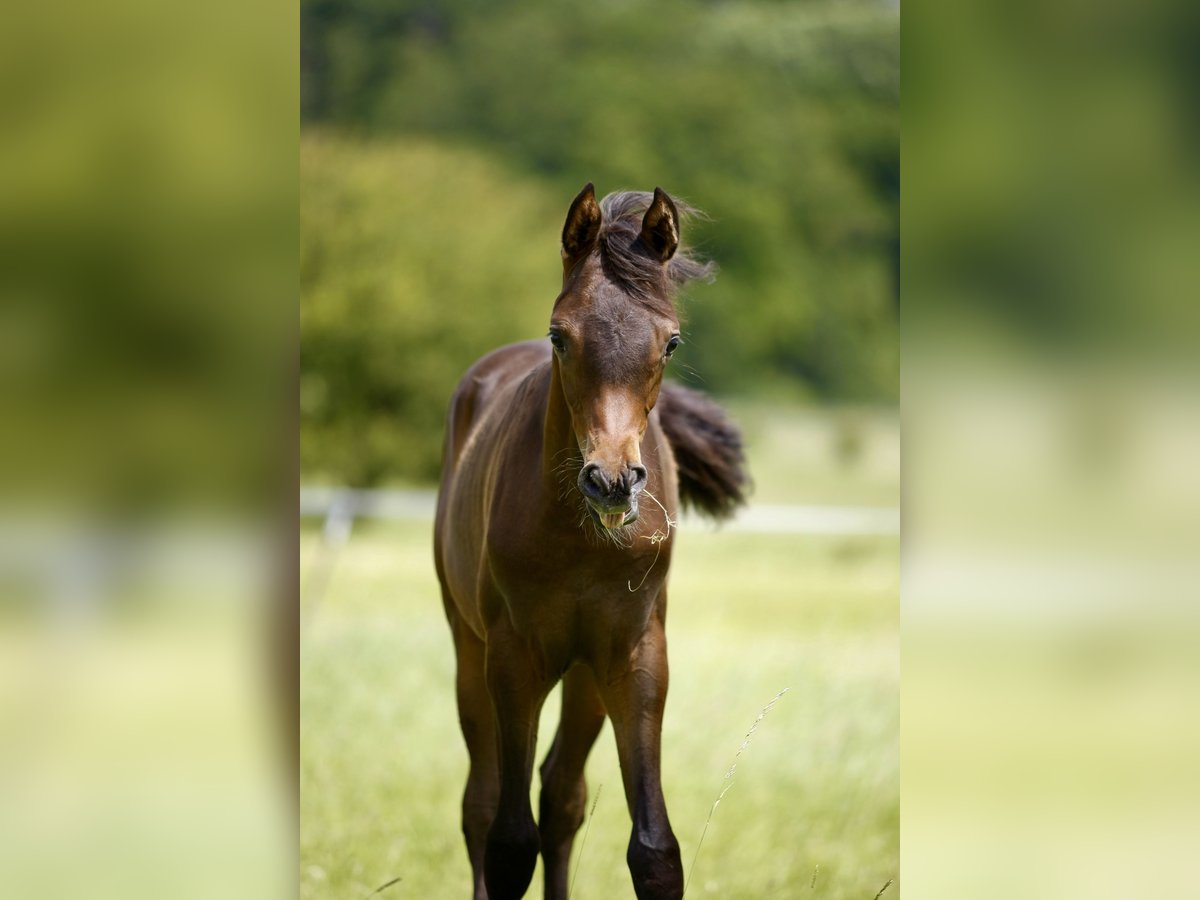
{"x": 476, "y": 820}
{"x": 512, "y": 850}
{"x": 655, "y": 866}
{"x": 561, "y": 808}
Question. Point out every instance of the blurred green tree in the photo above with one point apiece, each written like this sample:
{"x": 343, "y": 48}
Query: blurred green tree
{"x": 779, "y": 119}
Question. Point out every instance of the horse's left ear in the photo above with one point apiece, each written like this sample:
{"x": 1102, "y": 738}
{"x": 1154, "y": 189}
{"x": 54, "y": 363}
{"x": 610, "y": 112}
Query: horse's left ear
{"x": 660, "y": 227}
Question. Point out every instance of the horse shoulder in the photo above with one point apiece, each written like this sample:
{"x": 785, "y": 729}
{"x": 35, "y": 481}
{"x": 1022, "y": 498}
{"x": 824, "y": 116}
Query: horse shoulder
{"x": 479, "y": 389}
{"x": 479, "y": 440}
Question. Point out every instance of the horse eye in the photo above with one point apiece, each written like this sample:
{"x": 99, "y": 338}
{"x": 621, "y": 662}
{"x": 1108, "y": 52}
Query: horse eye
{"x": 671, "y": 345}
{"x": 556, "y": 339}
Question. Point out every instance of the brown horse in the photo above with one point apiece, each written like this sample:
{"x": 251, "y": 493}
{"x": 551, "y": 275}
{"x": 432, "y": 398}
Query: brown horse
{"x": 552, "y": 563}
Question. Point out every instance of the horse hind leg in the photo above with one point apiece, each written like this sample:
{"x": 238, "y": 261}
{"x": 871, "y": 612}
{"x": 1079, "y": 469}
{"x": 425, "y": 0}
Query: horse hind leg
{"x": 482, "y": 791}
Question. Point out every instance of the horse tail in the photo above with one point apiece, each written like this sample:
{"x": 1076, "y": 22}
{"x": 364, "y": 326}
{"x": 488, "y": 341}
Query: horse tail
{"x": 708, "y": 451}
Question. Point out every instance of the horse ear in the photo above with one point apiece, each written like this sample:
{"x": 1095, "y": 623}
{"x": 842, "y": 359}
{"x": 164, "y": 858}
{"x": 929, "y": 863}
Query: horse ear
{"x": 582, "y": 226}
{"x": 660, "y": 227}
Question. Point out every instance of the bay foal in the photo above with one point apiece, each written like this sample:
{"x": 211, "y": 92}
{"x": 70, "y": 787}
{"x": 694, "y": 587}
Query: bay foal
{"x": 565, "y": 462}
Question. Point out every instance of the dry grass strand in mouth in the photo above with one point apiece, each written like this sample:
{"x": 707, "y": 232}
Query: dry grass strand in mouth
{"x": 657, "y": 539}
{"x": 727, "y": 782}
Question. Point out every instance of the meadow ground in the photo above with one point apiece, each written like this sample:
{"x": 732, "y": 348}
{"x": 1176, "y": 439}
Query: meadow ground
{"x": 813, "y": 809}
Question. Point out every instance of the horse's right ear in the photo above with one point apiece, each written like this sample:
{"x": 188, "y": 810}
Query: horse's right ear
{"x": 582, "y": 226}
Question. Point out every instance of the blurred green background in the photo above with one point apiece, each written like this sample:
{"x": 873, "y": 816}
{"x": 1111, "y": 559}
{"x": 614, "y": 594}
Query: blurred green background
{"x": 442, "y": 144}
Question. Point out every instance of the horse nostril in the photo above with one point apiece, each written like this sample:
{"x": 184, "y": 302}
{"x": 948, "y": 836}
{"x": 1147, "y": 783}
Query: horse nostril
{"x": 592, "y": 480}
{"x": 636, "y": 478}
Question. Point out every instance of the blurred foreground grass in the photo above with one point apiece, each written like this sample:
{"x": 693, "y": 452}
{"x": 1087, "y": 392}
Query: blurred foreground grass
{"x": 814, "y": 806}
{"x": 1047, "y": 762}
{"x": 140, "y": 745}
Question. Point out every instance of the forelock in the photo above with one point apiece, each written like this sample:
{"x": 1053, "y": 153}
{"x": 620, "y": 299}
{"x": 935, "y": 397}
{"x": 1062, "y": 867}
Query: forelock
{"x": 626, "y": 261}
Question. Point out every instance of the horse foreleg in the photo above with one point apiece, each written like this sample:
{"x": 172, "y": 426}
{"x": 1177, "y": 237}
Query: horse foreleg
{"x": 635, "y": 692}
{"x": 517, "y": 692}
{"x": 483, "y": 781}
{"x": 564, "y": 792}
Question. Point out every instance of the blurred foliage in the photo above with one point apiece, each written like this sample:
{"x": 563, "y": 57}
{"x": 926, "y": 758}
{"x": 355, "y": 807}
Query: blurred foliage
{"x": 147, "y": 245}
{"x": 1053, "y": 151}
{"x": 392, "y": 315}
{"x": 430, "y": 236}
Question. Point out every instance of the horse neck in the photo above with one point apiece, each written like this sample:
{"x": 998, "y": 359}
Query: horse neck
{"x": 558, "y": 437}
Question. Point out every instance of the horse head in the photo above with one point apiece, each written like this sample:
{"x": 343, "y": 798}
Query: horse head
{"x": 613, "y": 330}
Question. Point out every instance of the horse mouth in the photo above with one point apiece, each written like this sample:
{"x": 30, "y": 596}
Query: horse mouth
{"x": 617, "y": 518}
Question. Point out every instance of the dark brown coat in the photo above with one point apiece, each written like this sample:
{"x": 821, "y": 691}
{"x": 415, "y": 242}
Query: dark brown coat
{"x": 564, "y": 465}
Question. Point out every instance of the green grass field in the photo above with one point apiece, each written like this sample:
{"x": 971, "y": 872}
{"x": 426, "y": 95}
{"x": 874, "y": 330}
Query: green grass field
{"x": 813, "y": 810}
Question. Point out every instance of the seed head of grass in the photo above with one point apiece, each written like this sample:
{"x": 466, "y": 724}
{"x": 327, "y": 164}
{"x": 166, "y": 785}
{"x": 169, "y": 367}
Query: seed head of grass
{"x": 727, "y": 781}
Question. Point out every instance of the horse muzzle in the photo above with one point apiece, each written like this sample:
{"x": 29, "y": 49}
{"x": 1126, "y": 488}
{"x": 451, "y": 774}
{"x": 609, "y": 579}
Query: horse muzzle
{"x": 612, "y": 500}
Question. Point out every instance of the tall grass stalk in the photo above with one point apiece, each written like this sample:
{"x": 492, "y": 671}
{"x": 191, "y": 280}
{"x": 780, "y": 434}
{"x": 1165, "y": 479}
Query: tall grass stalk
{"x": 583, "y": 842}
{"x": 727, "y": 782}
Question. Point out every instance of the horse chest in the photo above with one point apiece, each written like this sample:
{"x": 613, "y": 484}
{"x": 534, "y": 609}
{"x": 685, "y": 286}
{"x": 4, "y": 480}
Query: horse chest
{"x": 577, "y": 604}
